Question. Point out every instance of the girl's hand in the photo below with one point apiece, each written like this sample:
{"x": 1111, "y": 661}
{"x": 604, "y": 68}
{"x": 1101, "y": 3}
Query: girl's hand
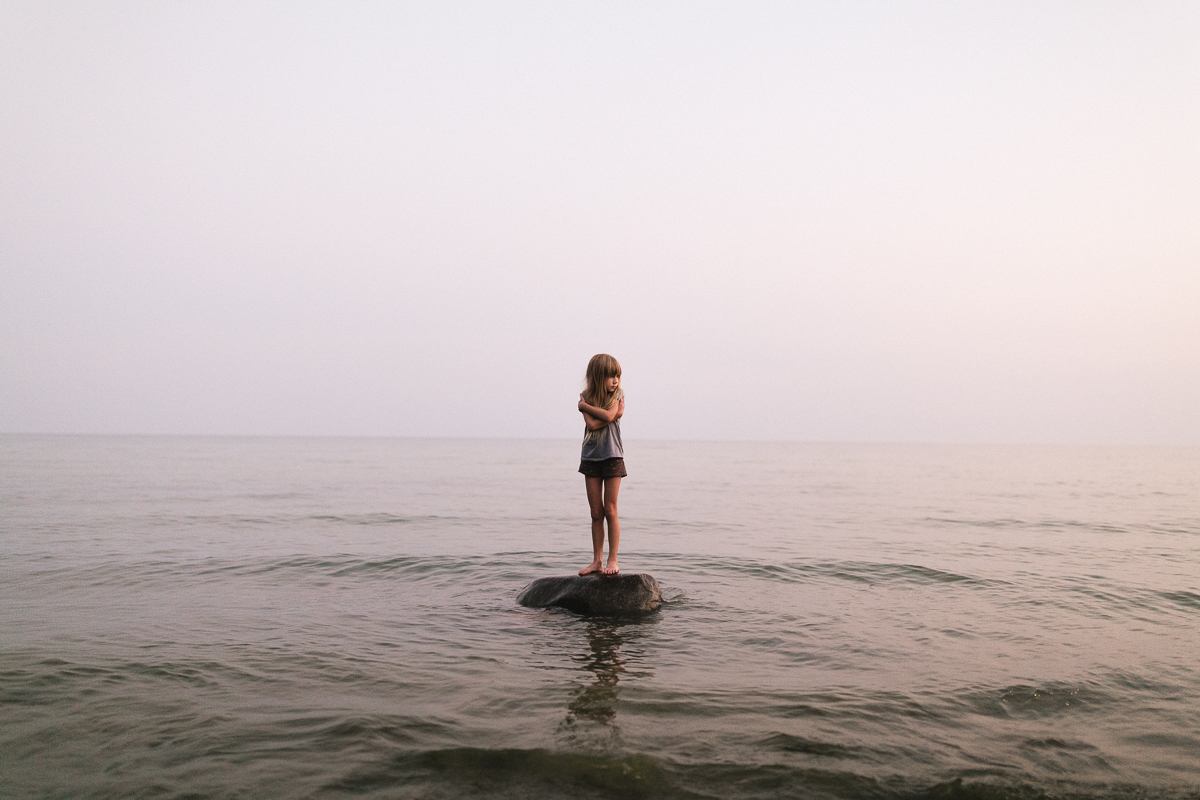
{"x": 582, "y": 402}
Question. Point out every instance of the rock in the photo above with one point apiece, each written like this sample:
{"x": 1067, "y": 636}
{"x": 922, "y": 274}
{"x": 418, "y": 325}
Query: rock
{"x": 595, "y": 595}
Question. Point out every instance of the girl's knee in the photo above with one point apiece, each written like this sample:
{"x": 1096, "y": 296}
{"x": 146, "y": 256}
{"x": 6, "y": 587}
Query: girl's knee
{"x": 598, "y": 513}
{"x": 610, "y": 510}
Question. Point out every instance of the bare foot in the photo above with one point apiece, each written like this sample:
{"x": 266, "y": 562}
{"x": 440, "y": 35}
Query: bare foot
{"x": 591, "y": 569}
{"x": 611, "y": 567}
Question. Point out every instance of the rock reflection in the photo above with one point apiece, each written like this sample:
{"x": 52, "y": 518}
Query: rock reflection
{"x": 598, "y": 701}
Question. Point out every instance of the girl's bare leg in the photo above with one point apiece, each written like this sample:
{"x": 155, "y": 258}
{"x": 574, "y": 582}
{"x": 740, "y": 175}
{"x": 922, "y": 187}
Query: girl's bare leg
{"x": 611, "y": 487}
{"x": 595, "y": 496}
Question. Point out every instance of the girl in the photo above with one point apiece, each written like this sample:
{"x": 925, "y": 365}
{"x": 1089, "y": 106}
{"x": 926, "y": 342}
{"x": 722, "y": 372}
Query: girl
{"x": 603, "y": 459}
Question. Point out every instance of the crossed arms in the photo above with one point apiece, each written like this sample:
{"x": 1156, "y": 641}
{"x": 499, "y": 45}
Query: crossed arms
{"x": 596, "y": 418}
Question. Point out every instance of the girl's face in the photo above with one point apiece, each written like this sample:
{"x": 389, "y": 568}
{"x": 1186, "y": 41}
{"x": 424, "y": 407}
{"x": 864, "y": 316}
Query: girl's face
{"x": 611, "y": 383}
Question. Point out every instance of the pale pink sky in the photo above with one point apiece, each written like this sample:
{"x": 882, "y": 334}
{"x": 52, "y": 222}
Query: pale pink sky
{"x": 973, "y": 222}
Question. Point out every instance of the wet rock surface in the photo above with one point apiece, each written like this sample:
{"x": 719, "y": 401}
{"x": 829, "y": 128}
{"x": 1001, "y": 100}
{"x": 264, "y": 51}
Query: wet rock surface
{"x": 595, "y": 595}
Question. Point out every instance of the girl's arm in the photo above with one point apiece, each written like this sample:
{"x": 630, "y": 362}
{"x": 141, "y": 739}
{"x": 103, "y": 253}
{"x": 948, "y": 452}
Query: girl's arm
{"x": 592, "y": 422}
{"x": 604, "y": 415}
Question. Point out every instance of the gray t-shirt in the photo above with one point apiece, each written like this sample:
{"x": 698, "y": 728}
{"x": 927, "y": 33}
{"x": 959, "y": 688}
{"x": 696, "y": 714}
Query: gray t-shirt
{"x": 603, "y": 443}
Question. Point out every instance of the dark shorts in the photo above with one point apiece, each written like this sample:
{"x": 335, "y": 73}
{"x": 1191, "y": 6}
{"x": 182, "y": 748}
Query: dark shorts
{"x": 608, "y": 468}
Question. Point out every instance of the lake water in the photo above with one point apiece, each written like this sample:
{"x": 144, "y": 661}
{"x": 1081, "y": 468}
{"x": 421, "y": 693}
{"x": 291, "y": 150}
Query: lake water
{"x": 327, "y": 618}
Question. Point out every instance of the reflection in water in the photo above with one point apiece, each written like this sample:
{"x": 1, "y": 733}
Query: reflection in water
{"x": 598, "y": 701}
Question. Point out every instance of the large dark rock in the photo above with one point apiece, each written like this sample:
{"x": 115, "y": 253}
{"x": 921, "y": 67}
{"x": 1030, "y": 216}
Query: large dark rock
{"x": 595, "y": 595}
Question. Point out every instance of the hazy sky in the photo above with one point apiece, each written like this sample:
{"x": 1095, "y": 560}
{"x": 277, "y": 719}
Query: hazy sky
{"x": 963, "y": 222}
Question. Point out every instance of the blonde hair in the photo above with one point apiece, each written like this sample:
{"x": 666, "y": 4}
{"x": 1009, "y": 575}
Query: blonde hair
{"x": 600, "y": 369}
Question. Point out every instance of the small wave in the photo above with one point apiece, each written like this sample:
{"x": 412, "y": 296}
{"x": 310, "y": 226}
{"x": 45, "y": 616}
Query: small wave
{"x": 980, "y": 523}
{"x": 345, "y": 565}
{"x": 232, "y": 520}
{"x": 1186, "y": 599}
{"x": 365, "y": 519}
{"x": 127, "y": 573}
{"x": 1101, "y": 597}
{"x": 478, "y": 772}
{"x": 1041, "y": 524}
{"x": 1022, "y": 700}
{"x": 913, "y": 573}
{"x": 511, "y": 772}
{"x": 800, "y": 571}
{"x": 673, "y": 597}
{"x": 787, "y": 743}
{"x": 1058, "y": 744}
{"x": 51, "y": 681}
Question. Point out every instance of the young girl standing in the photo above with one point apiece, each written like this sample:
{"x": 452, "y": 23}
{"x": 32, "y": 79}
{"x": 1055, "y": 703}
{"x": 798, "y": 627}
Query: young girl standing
{"x": 603, "y": 460}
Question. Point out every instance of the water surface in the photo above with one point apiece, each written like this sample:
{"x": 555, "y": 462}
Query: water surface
{"x": 245, "y": 617}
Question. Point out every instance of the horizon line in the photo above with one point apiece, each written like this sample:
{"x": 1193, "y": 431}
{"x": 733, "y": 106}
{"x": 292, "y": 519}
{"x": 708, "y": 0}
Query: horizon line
{"x": 865, "y": 442}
